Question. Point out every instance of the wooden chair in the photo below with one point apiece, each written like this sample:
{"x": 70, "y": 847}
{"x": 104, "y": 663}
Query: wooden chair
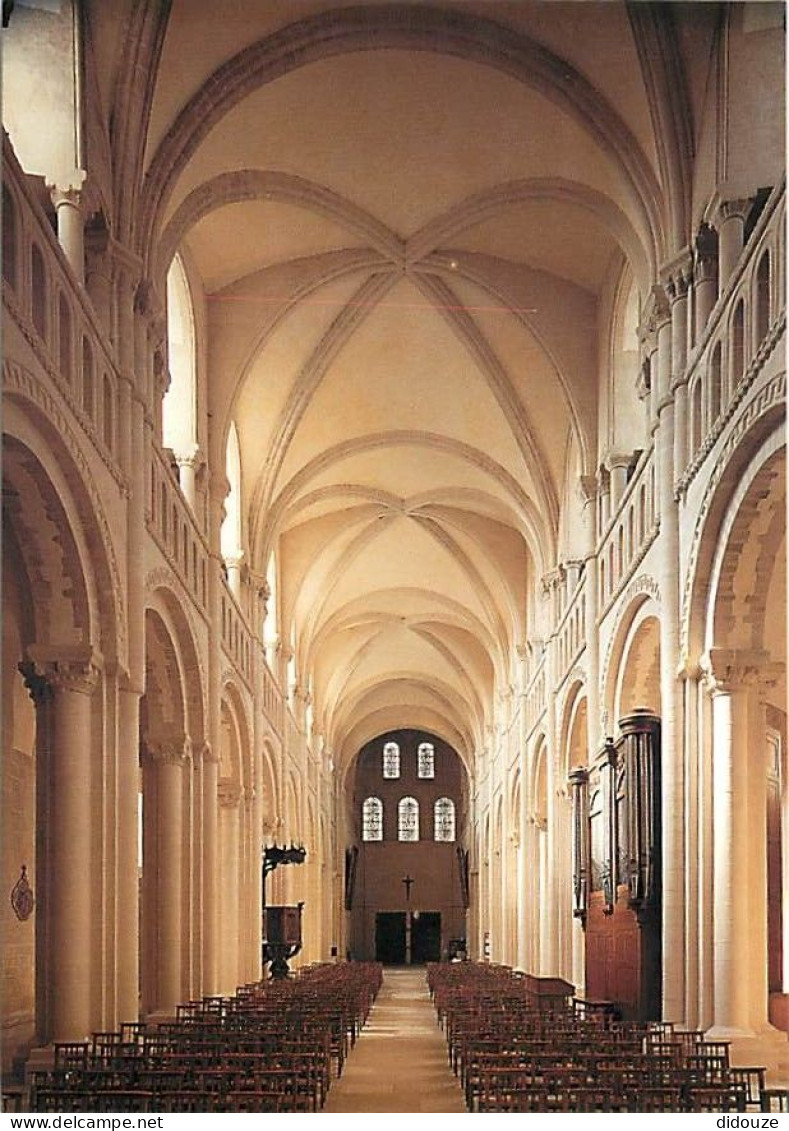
{"x": 775, "y": 1099}
{"x": 714, "y": 1097}
{"x": 751, "y": 1082}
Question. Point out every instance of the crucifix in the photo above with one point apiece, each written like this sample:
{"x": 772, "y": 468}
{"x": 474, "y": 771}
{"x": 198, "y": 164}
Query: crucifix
{"x": 407, "y": 880}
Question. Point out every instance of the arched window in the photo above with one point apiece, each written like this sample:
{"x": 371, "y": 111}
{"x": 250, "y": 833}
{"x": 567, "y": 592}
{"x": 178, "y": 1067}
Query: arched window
{"x": 763, "y": 298}
{"x": 87, "y": 377}
{"x": 737, "y": 355}
{"x": 372, "y": 819}
{"x": 697, "y": 424}
{"x": 109, "y": 414}
{"x": 179, "y": 407}
{"x": 408, "y": 819}
{"x": 716, "y": 394}
{"x": 444, "y": 819}
{"x": 64, "y": 338}
{"x": 391, "y": 762}
{"x": 425, "y": 760}
{"x": 38, "y": 281}
{"x": 9, "y": 238}
{"x": 230, "y": 535}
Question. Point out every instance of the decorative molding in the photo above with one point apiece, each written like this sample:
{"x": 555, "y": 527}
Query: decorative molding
{"x": 32, "y": 337}
{"x": 772, "y": 394}
{"x": 634, "y": 564}
{"x": 643, "y": 585}
{"x": 162, "y": 577}
{"x": 757, "y": 364}
{"x": 175, "y": 751}
{"x": 18, "y": 379}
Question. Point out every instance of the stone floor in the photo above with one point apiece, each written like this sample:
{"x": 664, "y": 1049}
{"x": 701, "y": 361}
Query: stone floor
{"x": 399, "y": 1062}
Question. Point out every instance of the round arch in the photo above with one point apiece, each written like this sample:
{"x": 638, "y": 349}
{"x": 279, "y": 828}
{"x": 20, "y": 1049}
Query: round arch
{"x": 638, "y": 679}
{"x": 165, "y": 604}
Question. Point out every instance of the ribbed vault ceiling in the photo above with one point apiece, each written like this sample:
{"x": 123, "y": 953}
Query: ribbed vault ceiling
{"x": 403, "y": 237}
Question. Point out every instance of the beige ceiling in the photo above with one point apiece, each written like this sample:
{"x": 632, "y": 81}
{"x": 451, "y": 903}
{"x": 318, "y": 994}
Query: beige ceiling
{"x": 403, "y": 252}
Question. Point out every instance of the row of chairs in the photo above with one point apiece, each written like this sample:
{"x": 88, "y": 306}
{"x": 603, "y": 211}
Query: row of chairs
{"x": 271, "y": 1047}
{"x": 513, "y": 1053}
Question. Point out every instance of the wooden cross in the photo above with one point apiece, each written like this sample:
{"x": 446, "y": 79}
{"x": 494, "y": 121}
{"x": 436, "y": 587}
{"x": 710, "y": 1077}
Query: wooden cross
{"x": 407, "y": 880}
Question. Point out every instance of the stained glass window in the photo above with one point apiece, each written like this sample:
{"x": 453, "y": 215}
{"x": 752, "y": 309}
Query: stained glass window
{"x": 373, "y": 819}
{"x": 391, "y": 760}
{"x": 425, "y": 760}
{"x": 444, "y": 819}
{"x": 408, "y": 819}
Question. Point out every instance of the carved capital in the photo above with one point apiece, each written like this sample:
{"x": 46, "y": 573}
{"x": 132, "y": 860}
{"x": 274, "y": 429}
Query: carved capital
{"x": 193, "y": 458}
{"x": 676, "y": 275}
{"x": 705, "y": 254}
{"x": 736, "y": 208}
{"x": 587, "y": 488}
{"x": 70, "y": 669}
{"x": 618, "y": 459}
{"x": 661, "y": 310}
{"x": 174, "y": 751}
{"x": 38, "y": 686}
{"x": 549, "y": 581}
{"x": 208, "y": 754}
{"x": 727, "y": 670}
{"x": 69, "y": 190}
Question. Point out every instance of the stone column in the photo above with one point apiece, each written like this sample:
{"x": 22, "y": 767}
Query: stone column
{"x": 218, "y": 488}
{"x": 705, "y": 282}
{"x": 163, "y": 871}
{"x": 618, "y": 464}
{"x": 731, "y": 924}
{"x": 71, "y": 228}
{"x": 229, "y": 816}
{"x": 546, "y": 963}
{"x": 251, "y": 905}
{"x": 731, "y": 230}
{"x": 127, "y": 823}
{"x": 256, "y": 873}
{"x": 187, "y": 476}
{"x": 524, "y": 903}
{"x": 209, "y": 835}
{"x": 705, "y": 911}
{"x": 190, "y": 930}
{"x": 739, "y": 806}
{"x": 66, "y": 927}
{"x": 672, "y": 777}
{"x": 678, "y": 278}
{"x": 233, "y": 565}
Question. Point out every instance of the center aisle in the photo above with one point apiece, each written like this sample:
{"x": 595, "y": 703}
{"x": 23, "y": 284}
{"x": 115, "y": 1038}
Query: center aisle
{"x": 399, "y": 1062}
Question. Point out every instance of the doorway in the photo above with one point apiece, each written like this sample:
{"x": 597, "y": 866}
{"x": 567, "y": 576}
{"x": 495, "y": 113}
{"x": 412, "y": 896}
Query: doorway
{"x": 390, "y": 937}
{"x": 425, "y": 937}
